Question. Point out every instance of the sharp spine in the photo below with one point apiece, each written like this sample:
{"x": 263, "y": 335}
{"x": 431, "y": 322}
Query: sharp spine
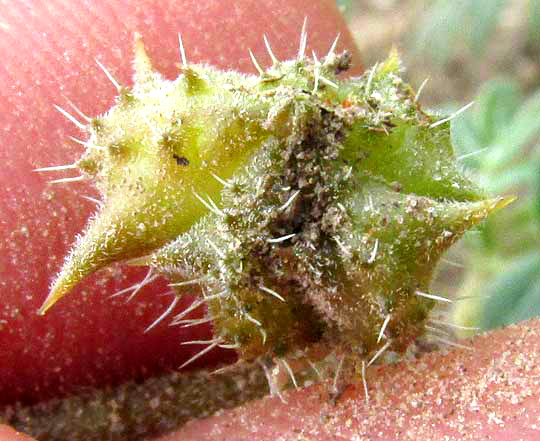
{"x": 271, "y": 292}
{"x": 328, "y": 82}
{"x": 452, "y": 343}
{"x": 432, "y": 296}
{"x": 269, "y": 49}
{"x": 70, "y": 117}
{"x": 289, "y": 201}
{"x": 221, "y": 181}
{"x": 198, "y": 355}
{"x": 303, "y": 40}
{"x": 169, "y": 309}
{"x": 467, "y": 155}
{"x": 256, "y": 63}
{"x": 383, "y": 327}
{"x": 63, "y": 180}
{"x": 55, "y": 168}
{"x": 109, "y": 75}
{"x": 451, "y": 117}
{"x": 281, "y": 239}
{"x": 78, "y": 111}
{"x": 453, "y": 325}
{"x": 373, "y": 254}
{"x": 420, "y": 89}
{"x": 210, "y": 205}
{"x": 336, "y": 375}
{"x": 364, "y": 382}
{"x": 290, "y": 371}
{"x": 379, "y": 353}
{"x": 182, "y": 51}
{"x": 333, "y": 47}
{"x": 189, "y": 282}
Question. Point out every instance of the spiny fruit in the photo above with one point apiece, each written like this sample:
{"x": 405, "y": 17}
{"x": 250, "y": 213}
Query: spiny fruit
{"x": 306, "y": 211}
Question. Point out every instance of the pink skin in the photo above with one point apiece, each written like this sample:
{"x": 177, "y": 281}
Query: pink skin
{"x": 48, "y": 51}
{"x": 488, "y": 393}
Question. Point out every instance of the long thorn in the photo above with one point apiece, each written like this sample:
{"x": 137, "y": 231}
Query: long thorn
{"x": 451, "y": 117}
{"x": 148, "y": 279}
{"x": 420, "y": 89}
{"x": 256, "y": 63}
{"x": 272, "y": 292}
{"x": 437, "y": 331}
{"x": 201, "y": 342}
{"x": 210, "y": 205}
{"x": 221, "y": 181}
{"x": 364, "y": 381}
{"x": 453, "y": 325}
{"x": 264, "y": 335}
{"x": 450, "y": 262}
{"x": 383, "y": 327}
{"x": 274, "y": 390}
{"x": 452, "y": 343}
{"x": 432, "y": 296}
{"x": 370, "y": 78}
{"x": 198, "y": 355}
{"x": 328, "y": 82}
{"x": 289, "y": 201}
{"x": 195, "y": 322}
{"x": 379, "y": 353}
{"x": 314, "y": 367}
{"x": 343, "y": 248}
{"x": 182, "y": 51}
{"x": 253, "y": 320}
{"x": 316, "y": 80}
{"x": 55, "y": 168}
{"x": 78, "y": 111}
{"x": 94, "y": 200}
{"x": 194, "y": 305}
{"x": 290, "y": 371}
{"x": 333, "y": 47}
{"x": 230, "y": 346}
{"x": 303, "y": 40}
{"x": 373, "y": 252}
{"x": 269, "y": 49}
{"x": 281, "y": 239}
{"x": 165, "y": 313}
{"x": 78, "y": 141}
{"x": 215, "y": 207}
{"x": 135, "y": 286}
{"x": 63, "y": 180}
{"x": 109, "y": 75}
{"x": 70, "y": 117}
{"x": 336, "y": 375}
{"x": 189, "y": 282}
{"x": 467, "y": 155}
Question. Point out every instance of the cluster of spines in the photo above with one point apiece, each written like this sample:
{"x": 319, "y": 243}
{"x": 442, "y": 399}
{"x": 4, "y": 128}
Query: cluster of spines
{"x": 326, "y": 291}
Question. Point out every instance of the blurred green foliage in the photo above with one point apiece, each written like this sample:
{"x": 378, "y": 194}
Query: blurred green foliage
{"x": 449, "y": 26}
{"x": 534, "y": 21}
{"x": 498, "y": 141}
{"x": 345, "y": 6}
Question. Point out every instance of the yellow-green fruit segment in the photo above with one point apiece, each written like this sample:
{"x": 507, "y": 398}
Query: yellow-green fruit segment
{"x": 306, "y": 208}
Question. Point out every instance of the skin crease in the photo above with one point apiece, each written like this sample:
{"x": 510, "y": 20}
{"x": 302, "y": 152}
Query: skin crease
{"x": 89, "y": 339}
